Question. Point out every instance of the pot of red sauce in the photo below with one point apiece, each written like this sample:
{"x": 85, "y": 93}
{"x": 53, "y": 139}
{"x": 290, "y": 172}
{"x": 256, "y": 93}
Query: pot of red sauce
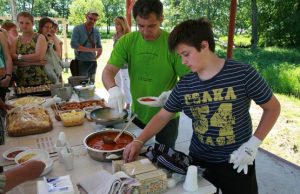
{"x": 104, "y": 152}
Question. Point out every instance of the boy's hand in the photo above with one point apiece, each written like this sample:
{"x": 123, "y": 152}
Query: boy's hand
{"x": 132, "y": 151}
{"x": 245, "y": 155}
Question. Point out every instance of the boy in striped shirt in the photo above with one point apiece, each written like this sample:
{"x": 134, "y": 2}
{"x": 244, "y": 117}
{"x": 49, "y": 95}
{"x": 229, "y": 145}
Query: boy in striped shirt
{"x": 216, "y": 95}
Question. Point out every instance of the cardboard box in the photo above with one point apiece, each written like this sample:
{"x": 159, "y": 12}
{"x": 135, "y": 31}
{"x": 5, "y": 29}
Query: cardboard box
{"x": 152, "y": 182}
{"x": 138, "y": 167}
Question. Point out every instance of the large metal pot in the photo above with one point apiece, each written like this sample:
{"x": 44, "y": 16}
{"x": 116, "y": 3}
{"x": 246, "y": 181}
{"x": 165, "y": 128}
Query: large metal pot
{"x": 108, "y": 116}
{"x": 104, "y": 155}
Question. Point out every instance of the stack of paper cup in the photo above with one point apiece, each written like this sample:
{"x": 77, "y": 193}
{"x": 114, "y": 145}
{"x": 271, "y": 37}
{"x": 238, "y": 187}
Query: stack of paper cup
{"x": 191, "y": 179}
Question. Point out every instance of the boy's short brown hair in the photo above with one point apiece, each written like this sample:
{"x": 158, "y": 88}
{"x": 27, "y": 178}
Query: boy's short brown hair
{"x": 192, "y": 33}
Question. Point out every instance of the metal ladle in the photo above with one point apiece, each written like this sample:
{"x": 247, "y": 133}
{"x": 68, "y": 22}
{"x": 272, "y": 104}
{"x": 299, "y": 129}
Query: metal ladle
{"x": 109, "y": 140}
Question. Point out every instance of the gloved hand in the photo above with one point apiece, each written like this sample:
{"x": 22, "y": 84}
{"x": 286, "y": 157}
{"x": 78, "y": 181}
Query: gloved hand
{"x": 245, "y": 154}
{"x": 163, "y": 97}
{"x": 116, "y": 98}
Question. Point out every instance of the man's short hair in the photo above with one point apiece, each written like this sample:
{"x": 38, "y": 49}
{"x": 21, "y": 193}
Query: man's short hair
{"x": 192, "y": 33}
{"x": 143, "y": 8}
{"x": 8, "y": 25}
{"x": 25, "y": 15}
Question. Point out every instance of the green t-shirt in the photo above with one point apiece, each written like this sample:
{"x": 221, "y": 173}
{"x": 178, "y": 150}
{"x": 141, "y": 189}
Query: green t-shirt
{"x": 152, "y": 68}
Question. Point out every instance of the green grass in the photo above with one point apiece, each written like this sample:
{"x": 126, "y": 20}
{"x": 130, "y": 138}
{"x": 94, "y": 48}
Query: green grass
{"x": 280, "y": 67}
{"x": 239, "y": 40}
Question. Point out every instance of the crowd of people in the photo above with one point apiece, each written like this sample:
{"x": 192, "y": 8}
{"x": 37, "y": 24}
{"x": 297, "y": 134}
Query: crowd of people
{"x": 180, "y": 67}
{"x": 27, "y": 58}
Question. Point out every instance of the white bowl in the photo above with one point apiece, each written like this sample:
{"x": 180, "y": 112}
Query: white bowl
{"x": 11, "y": 150}
{"x": 48, "y": 168}
{"x": 32, "y": 154}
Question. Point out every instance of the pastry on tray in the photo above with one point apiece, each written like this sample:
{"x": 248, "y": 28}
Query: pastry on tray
{"x": 32, "y": 89}
{"x": 27, "y": 121}
{"x": 27, "y": 100}
{"x": 89, "y": 103}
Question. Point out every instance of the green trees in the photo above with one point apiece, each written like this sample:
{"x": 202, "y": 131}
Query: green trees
{"x": 112, "y": 8}
{"x": 276, "y": 23}
{"x": 79, "y": 8}
{"x": 279, "y": 22}
{"x": 267, "y": 22}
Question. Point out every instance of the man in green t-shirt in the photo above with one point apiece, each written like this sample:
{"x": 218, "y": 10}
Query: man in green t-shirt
{"x": 153, "y": 68}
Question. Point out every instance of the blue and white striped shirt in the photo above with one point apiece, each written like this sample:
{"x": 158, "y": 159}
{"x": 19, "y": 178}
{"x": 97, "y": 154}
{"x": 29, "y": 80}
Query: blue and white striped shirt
{"x": 219, "y": 109}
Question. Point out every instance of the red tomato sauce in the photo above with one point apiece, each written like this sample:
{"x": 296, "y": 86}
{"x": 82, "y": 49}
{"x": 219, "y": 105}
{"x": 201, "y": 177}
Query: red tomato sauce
{"x": 13, "y": 154}
{"x": 147, "y": 99}
{"x": 96, "y": 141}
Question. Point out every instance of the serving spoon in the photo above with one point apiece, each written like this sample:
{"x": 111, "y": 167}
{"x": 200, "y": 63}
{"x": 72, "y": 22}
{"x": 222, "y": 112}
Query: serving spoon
{"x": 109, "y": 140}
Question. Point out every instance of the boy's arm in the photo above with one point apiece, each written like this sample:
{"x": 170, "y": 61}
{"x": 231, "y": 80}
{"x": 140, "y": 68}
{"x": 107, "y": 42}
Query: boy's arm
{"x": 271, "y": 111}
{"x": 153, "y": 127}
{"x": 246, "y": 153}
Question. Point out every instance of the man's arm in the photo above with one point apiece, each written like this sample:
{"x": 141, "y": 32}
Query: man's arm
{"x": 108, "y": 76}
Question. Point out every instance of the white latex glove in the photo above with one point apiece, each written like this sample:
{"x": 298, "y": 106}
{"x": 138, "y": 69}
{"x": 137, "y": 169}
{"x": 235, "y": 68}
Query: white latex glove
{"x": 163, "y": 97}
{"x": 245, "y": 154}
{"x": 116, "y": 98}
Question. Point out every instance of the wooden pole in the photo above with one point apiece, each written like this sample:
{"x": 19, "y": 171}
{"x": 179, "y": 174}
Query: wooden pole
{"x": 231, "y": 28}
{"x": 64, "y": 32}
{"x": 129, "y": 6}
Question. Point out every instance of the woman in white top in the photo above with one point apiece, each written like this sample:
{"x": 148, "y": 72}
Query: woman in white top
{"x": 122, "y": 78}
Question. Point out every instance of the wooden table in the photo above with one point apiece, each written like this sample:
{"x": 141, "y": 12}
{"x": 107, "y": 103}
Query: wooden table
{"x": 83, "y": 164}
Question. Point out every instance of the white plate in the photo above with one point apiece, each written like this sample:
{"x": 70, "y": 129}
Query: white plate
{"x": 154, "y": 103}
{"x": 11, "y": 150}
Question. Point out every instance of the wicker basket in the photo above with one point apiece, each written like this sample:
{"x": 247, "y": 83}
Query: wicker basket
{"x": 77, "y": 80}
